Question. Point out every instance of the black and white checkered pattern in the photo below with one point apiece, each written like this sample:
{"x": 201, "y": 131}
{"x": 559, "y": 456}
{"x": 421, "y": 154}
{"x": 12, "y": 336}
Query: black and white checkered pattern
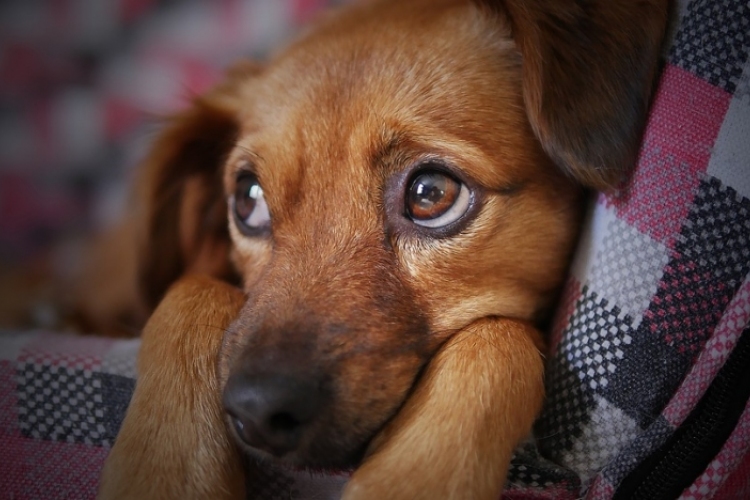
{"x": 61, "y": 404}
{"x": 713, "y": 41}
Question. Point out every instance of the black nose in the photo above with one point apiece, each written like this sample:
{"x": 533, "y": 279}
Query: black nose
{"x": 270, "y": 412}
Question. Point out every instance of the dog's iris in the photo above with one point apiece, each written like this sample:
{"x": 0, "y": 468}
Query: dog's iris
{"x": 250, "y": 209}
{"x": 436, "y": 199}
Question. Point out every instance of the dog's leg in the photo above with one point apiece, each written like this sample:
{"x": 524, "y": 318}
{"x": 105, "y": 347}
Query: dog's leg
{"x": 173, "y": 443}
{"x": 456, "y": 434}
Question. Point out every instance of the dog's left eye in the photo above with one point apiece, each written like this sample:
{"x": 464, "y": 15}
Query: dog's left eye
{"x": 435, "y": 199}
{"x": 249, "y": 205}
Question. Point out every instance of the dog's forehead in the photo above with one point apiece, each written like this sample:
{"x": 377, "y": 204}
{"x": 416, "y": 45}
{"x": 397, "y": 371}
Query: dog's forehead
{"x": 441, "y": 67}
{"x": 443, "y": 80}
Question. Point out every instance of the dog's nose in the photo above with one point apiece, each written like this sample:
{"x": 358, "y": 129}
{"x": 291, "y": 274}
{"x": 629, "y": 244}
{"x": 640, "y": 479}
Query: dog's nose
{"x": 271, "y": 412}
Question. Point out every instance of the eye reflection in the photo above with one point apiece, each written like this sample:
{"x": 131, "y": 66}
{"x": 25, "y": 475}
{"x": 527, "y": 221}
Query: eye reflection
{"x": 435, "y": 199}
{"x": 250, "y": 208}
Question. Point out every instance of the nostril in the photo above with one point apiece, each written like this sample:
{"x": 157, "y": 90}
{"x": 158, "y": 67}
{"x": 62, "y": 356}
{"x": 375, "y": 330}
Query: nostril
{"x": 271, "y": 413}
{"x": 284, "y": 422}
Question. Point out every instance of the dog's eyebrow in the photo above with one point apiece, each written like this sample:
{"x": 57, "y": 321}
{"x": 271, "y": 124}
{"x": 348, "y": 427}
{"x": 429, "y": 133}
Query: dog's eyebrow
{"x": 248, "y": 154}
{"x": 390, "y": 144}
{"x": 242, "y": 159}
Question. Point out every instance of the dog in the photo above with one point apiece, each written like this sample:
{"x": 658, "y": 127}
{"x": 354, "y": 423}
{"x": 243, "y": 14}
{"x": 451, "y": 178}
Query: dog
{"x": 350, "y": 248}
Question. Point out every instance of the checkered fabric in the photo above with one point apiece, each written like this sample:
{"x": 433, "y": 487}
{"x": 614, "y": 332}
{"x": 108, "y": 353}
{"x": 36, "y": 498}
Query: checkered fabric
{"x": 657, "y": 300}
{"x": 62, "y": 400}
{"x": 659, "y": 293}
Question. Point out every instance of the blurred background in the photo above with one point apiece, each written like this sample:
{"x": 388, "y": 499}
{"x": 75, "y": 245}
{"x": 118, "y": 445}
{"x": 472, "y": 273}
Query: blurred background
{"x": 82, "y": 86}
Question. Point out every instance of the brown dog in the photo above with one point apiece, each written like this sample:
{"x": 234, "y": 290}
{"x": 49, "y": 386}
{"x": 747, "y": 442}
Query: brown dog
{"x": 403, "y": 189}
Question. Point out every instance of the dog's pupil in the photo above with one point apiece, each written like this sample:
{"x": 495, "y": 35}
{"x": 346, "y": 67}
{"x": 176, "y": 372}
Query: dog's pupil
{"x": 431, "y": 195}
{"x": 245, "y": 196}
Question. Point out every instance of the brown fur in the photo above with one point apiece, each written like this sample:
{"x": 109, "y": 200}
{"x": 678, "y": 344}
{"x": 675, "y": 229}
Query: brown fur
{"x": 422, "y": 341}
{"x": 180, "y": 449}
{"x": 588, "y": 72}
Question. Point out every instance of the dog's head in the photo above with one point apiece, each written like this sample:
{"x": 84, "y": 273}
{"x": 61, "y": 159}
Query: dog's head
{"x": 399, "y": 172}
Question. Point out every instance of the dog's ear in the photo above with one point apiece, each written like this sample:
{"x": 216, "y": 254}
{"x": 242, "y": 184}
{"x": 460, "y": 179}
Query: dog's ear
{"x": 185, "y": 227}
{"x": 588, "y": 71}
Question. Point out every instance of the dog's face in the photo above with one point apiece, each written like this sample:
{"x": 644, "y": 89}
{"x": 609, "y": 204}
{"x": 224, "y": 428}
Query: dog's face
{"x": 382, "y": 196}
{"x": 385, "y": 185}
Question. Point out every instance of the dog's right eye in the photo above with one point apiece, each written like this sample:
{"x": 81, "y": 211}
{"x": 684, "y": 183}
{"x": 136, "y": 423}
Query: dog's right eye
{"x": 436, "y": 199}
{"x": 249, "y": 206}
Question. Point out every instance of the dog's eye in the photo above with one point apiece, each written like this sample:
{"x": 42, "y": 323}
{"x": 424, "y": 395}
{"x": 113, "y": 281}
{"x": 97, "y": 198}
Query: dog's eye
{"x": 250, "y": 209}
{"x": 435, "y": 199}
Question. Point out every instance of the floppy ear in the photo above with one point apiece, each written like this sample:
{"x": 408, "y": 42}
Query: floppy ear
{"x": 588, "y": 72}
{"x": 185, "y": 227}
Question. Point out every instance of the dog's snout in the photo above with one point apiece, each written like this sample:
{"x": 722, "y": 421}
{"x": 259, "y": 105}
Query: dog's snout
{"x": 272, "y": 412}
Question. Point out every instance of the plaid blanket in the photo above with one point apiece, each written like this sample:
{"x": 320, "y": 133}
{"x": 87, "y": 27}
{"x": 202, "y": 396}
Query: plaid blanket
{"x": 653, "y": 327}
{"x": 658, "y": 299}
